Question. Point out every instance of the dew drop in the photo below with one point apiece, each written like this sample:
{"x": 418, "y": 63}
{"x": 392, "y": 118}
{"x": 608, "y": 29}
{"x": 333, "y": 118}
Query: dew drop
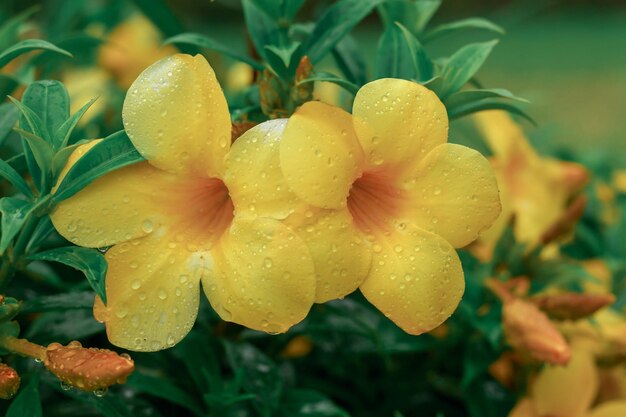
{"x": 147, "y": 226}
{"x": 135, "y": 284}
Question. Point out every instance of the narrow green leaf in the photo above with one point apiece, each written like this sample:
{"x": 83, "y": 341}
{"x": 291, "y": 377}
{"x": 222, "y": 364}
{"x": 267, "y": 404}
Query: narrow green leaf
{"x": 30, "y": 122}
{"x": 291, "y": 8}
{"x": 115, "y": 151}
{"x": 461, "y": 25}
{"x": 9, "y": 31}
{"x": 164, "y": 389}
{"x": 60, "y": 158}
{"x": 331, "y": 78}
{"x": 273, "y": 8}
{"x": 28, "y": 402}
{"x": 280, "y": 59}
{"x": 89, "y": 261}
{"x": 14, "y": 213}
{"x": 487, "y": 104}
{"x": 263, "y": 30}
{"x": 462, "y": 66}
{"x": 335, "y": 23}
{"x": 349, "y": 59}
{"x": 42, "y": 151}
{"x": 59, "y": 302}
{"x": 11, "y": 175}
{"x": 62, "y": 135}
{"x": 26, "y": 46}
{"x": 9, "y": 115}
{"x": 161, "y": 15}
{"x": 421, "y": 63}
{"x": 203, "y": 41}
{"x": 393, "y": 56}
{"x": 49, "y": 100}
{"x": 464, "y": 97}
{"x": 412, "y": 14}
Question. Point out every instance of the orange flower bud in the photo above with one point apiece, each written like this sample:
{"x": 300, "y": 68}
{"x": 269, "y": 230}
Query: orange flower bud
{"x": 9, "y": 381}
{"x": 529, "y": 329}
{"x": 573, "y": 306}
{"x": 297, "y": 347}
{"x": 89, "y": 369}
{"x": 563, "y": 226}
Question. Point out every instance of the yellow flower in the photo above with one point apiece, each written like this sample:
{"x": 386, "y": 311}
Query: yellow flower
{"x": 197, "y": 211}
{"x": 534, "y": 189}
{"x": 131, "y": 47}
{"x": 390, "y": 200}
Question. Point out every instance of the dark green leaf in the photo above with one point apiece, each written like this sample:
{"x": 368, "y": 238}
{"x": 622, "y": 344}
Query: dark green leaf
{"x": 273, "y": 8}
{"x": 309, "y": 403}
{"x": 291, "y": 8}
{"x": 89, "y": 261}
{"x": 462, "y": 66}
{"x": 49, "y": 100}
{"x": 9, "y": 31}
{"x": 460, "y": 25}
{"x": 161, "y": 15}
{"x": 41, "y": 151}
{"x": 59, "y": 302}
{"x": 61, "y": 137}
{"x": 393, "y": 56}
{"x": 30, "y": 122}
{"x": 349, "y": 59}
{"x": 63, "y": 326}
{"x": 412, "y": 14}
{"x": 115, "y": 151}
{"x": 162, "y": 388}
{"x": 264, "y": 30}
{"x": 335, "y": 23}
{"x": 331, "y": 78}
{"x": 283, "y": 53}
{"x": 465, "y": 97}
{"x": 423, "y": 67}
{"x": 487, "y": 104}
{"x": 9, "y": 114}
{"x": 203, "y": 41}
{"x": 60, "y": 158}
{"x": 9, "y": 328}
{"x": 27, "y": 403}
{"x": 26, "y": 46}
{"x": 14, "y": 178}
{"x": 14, "y": 214}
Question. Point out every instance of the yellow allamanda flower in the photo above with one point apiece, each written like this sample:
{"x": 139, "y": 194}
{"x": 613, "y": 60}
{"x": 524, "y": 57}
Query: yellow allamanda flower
{"x": 534, "y": 189}
{"x": 198, "y": 211}
{"x": 389, "y": 200}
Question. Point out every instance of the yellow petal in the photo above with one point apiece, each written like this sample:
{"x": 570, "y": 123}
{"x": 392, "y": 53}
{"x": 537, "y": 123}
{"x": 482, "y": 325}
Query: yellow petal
{"x": 610, "y": 409}
{"x": 119, "y": 206}
{"x": 453, "y": 193}
{"x": 398, "y": 121}
{"x": 253, "y": 175}
{"x": 523, "y": 408}
{"x": 320, "y": 154}
{"x": 152, "y": 287}
{"x": 567, "y": 390}
{"x": 261, "y": 276}
{"x": 505, "y": 137}
{"x": 416, "y": 279}
{"x": 341, "y": 257}
{"x": 176, "y": 115}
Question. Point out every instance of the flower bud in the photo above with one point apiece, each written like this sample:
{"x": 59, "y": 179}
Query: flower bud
{"x": 572, "y": 306}
{"x": 529, "y": 329}
{"x": 9, "y": 381}
{"x": 89, "y": 369}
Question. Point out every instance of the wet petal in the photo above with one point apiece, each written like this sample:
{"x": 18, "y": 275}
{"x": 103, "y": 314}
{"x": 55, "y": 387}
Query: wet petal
{"x": 416, "y": 279}
{"x": 176, "y": 115}
{"x": 398, "y": 121}
{"x": 453, "y": 193}
{"x": 320, "y": 154}
{"x": 120, "y": 206}
{"x": 152, "y": 288}
{"x": 341, "y": 257}
{"x": 261, "y": 276}
{"x": 253, "y": 174}
{"x": 567, "y": 390}
{"x": 610, "y": 409}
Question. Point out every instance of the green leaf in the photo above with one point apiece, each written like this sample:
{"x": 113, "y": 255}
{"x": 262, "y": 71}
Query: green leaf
{"x": 14, "y": 213}
{"x": 487, "y": 104}
{"x": 26, "y": 46}
{"x": 350, "y": 61}
{"x": 14, "y": 178}
{"x": 309, "y": 403}
{"x": 30, "y": 122}
{"x": 273, "y": 8}
{"x": 49, "y": 100}
{"x": 114, "y": 152}
{"x": 284, "y": 53}
{"x": 63, "y": 326}
{"x": 465, "y": 97}
{"x": 59, "y": 302}
{"x": 164, "y": 389}
{"x": 9, "y": 31}
{"x": 460, "y": 25}
{"x": 281, "y": 60}
{"x": 27, "y": 403}
{"x": 462, "y": 66}
{"x": 291, "y": 8}
{"x": 331, "y": 78}
{"x": 89, "y": 261}
{"x": 423, "y": 67}
{"x": 335, "y": 23}
{"x": 413, "y": 14}
{"x": 41, "y": 151}
{"x": 203, "y": 41}
{"x": 62, "y": 135}
{"x": 160, "y": 14}
{"x": 263, "y": 30}
{"x": 9, "y": 328}
{"x": 60, "y": 158}
{"x": 9, "y": 114}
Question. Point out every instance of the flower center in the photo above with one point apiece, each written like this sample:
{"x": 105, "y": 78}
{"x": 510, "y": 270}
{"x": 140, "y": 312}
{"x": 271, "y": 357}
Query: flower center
{"x": 374, "y": 201}
{"x": 205, "y": 210}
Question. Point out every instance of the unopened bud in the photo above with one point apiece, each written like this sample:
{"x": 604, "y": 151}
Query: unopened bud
{"x": 297, "y": 347}
{"x": 9, "y": 381}
{"x": 564, "y": 225}
{"x": 573, "y": 306}
{"x": 528, "y": 329}
{"x": 88, "y": 369}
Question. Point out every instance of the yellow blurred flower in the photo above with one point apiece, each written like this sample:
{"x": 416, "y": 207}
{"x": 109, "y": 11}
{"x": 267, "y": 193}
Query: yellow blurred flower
{"x": 197, "y": 211}
{"x": 534, "y": 189}
{"x": 386, "y": 190}
{"x": 131, "y": 47}
{"x": 84, "y": 84}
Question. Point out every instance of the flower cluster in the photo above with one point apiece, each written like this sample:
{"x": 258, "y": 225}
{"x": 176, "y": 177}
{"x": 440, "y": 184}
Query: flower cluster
{"x": 294, "y": 212}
